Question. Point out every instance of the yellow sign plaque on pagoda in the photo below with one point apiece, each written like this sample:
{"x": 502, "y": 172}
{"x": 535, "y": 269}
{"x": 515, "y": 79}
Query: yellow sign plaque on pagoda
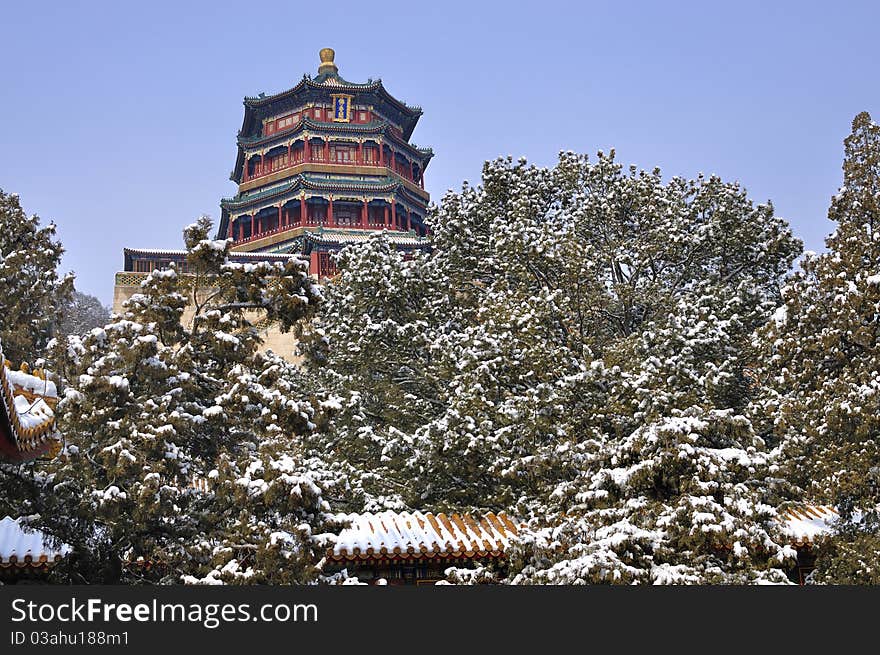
{"x": 341, "y": 107}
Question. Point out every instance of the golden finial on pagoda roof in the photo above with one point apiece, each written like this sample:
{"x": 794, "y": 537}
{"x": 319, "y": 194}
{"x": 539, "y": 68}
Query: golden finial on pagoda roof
{"x": 327, "y": 63}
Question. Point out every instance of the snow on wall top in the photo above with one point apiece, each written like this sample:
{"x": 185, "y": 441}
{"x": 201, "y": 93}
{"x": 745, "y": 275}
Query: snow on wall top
{"x": 418, "y": 535}
{"x": 16, "y": 546}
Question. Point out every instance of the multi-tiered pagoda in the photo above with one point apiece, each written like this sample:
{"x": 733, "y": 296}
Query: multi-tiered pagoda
{"x": 319, "y": 166}
{"x": 323, "y": 165}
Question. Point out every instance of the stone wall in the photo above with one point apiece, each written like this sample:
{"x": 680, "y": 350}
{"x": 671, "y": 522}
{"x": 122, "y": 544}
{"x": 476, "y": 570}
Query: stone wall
{"x": 273, "y": 339}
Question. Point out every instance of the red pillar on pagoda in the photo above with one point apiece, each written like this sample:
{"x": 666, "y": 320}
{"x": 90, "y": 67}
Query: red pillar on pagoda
{"x": 326, "y": 151}
{"x": 253, "y": 225}
{"x": 302, "y": 210}
{"x": 393, "y": 214}
{"x": 364, "y": 215}
{"x": 360, "y": 155}
{"x": 381, "y": 154}
{"x": 385, "y": 211}
{"x": 244, "y": 168}
{"x": 279, "y": 217}
{"x": 408, "y": 220}
{"x": 240, "y": 229}
{"x": 331, "y": 221}
{"x": 307, "y": 154}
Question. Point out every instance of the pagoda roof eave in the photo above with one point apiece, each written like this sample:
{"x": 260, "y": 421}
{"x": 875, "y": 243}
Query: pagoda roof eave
{"x": 164, "y": 252}
{"x": 304, "y": 181}
{"x": 339, "y": 84}
{"x": 295, "y": 185}
{"x": 376, "y": 128}
{"x": 427, "y": 154}
{"x": 342, "y": 237}
{"x": 260, "y": 104}
{"x": 310, "y": 124}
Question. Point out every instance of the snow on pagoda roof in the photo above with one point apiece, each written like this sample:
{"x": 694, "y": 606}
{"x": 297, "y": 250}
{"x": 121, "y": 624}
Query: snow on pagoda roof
{"x": 404, "y": 535}
{"x": 22, "y": 548}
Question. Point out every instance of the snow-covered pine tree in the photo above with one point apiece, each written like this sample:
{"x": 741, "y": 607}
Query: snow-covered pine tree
{"x": 82, "y": 313}
{"x": 677, "y": 501}
{"x": 181, "y": 460}
{"x": 677, "y": 492}
{"x": 34, "y": 296}
{"x": 570, "y": 316}
{"x": 33, "y": 299}
{"x": 599, "y": 278}
{"x": 819, "y": 367}
{"x": 372, "y": 333}
{"x": 371, "y": 344}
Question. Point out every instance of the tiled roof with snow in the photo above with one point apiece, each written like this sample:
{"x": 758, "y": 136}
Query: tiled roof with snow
{"x": 33, "y": 414}
{"x": 26, "y": 548}
{"x": 233, "y": 254}
{"x": 414, "y": 535}
{"x": 417, "y": 535}
{"x": 334, "y": 237}
{"x": 805, "y": 523}
{"x": 32, "y": 384}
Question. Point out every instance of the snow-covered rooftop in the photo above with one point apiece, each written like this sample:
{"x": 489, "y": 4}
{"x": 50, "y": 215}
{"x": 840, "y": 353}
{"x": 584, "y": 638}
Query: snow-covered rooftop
{"x": 338, "y": 237}
{"x": 27, "y": 417}
{"x": 806, "y": 522}
{"x": 22, "y": 548}
{"x": 33, "y": 414}
{"x": 417, "y": 535}
{"x": 233, "y": 254}
{"x": 32, "y": 383}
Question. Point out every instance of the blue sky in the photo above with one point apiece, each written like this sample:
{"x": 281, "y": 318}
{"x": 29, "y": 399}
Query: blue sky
{"x": 118, "y": 120}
